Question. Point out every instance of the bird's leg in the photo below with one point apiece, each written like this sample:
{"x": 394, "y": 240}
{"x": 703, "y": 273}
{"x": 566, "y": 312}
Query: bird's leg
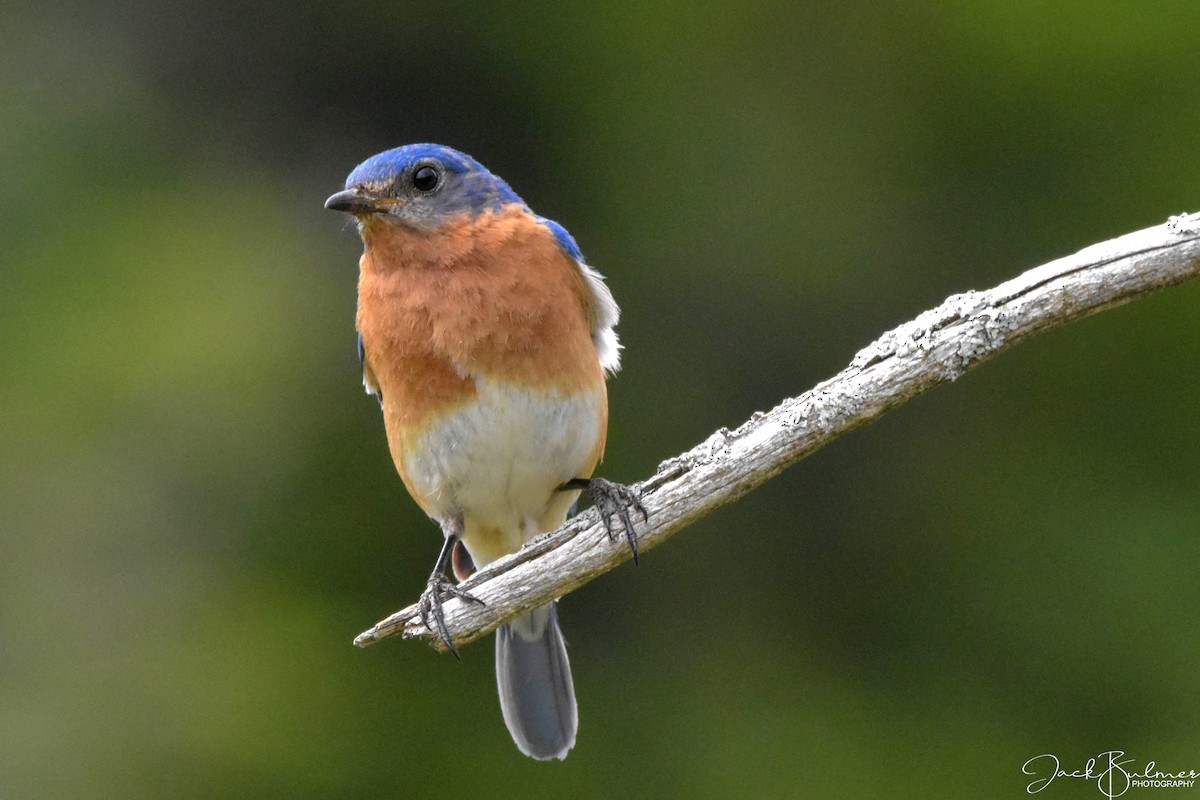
{"x": 430, "y": 604}
{"x": 613, "y": 499}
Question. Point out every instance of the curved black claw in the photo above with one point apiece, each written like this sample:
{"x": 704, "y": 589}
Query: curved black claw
{"x": 430, "y": 606}
{"x": 614, "y": 499}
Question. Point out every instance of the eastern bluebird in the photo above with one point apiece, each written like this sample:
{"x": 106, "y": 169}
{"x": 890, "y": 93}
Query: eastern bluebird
{"x": 486, "y": 339}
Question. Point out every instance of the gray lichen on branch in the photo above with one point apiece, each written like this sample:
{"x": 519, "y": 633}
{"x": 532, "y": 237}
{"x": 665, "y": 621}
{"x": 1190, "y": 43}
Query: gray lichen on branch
{"x": 939, "y": 345}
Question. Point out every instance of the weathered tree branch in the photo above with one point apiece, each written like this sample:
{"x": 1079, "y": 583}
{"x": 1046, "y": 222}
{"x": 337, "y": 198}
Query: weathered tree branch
{"x": 938, "y": 346}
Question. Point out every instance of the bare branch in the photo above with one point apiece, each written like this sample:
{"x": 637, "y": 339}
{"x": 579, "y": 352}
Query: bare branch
{"x": 938, "y": 346}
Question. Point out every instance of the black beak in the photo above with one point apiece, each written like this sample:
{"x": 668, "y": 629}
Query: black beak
{"x": 352, "y": 202}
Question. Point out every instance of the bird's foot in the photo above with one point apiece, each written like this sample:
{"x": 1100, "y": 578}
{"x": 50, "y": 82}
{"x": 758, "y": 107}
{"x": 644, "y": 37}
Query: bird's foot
{"x": 430, "y": 606}
{"x": 614, "y": 500}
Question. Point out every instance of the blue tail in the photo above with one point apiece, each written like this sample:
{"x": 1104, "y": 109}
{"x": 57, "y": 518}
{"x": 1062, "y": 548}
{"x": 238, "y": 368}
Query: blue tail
{"x": 534, "y": 678}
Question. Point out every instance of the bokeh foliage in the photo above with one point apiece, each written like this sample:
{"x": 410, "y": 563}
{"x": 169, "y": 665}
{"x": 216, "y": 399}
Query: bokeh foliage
{"x": 197, "y": 507}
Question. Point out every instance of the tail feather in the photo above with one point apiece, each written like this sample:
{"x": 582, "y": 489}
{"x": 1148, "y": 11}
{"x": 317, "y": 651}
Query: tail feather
{"x": 533, "y": 675}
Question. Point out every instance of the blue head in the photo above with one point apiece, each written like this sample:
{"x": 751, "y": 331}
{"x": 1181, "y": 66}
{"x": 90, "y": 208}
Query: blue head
{"x": 419, "y": 185}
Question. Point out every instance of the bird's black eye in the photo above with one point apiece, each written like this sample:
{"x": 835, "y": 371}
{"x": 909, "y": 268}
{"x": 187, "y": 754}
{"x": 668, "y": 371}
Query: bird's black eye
{"x": 425, "y": 179}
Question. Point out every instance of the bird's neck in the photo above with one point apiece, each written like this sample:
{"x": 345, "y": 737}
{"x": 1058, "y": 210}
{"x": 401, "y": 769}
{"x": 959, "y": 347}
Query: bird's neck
{"x": 453, "y": 244}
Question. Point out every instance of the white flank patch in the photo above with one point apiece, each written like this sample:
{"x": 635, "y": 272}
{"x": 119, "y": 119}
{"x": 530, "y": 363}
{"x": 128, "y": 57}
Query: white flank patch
{"x": 603, "y": 316}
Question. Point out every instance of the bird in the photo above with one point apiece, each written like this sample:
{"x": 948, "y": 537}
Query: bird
{"x": 487, "y": 340}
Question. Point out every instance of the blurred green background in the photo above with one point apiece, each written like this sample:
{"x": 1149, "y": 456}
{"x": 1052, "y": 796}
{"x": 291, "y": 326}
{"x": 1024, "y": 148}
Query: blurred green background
{"x": 197, "y": 505}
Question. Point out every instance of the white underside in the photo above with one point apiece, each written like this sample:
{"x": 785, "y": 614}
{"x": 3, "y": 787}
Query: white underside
{"x": 498, "y": 462}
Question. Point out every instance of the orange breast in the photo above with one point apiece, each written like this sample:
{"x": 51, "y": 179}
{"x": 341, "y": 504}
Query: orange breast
{"x": 492, "y": 296}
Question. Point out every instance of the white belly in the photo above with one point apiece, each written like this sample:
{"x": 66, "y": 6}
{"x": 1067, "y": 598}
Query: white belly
{"x": 499, "y": 460}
